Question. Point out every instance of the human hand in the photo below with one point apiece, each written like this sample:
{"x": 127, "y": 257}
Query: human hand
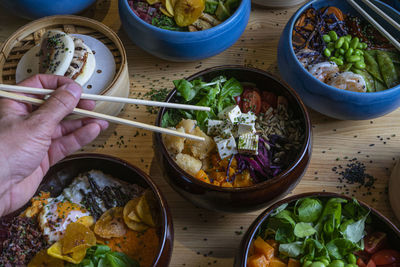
{"x": 31, "y": 141}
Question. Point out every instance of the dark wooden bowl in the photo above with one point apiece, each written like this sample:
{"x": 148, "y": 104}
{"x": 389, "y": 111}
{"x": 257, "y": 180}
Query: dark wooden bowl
{"x": 61, "y": 175}
{"x": 242, "y": 199}
{"x": 379, "y": 223}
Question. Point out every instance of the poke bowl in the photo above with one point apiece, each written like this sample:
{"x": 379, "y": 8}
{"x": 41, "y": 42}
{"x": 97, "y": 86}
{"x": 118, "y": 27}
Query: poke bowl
{"x": 168, "y": 30}
{"x": 320, "y": 229}
{"x": 257, "y": 139}
{"x": 338, "y": 63}
{"x": 90, "y": 209}
{"x": 29, "y": 9}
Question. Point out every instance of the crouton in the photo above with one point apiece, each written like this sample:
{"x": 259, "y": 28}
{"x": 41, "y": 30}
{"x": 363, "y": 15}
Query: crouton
{"x": 188, "y": 163}
{"x": 174, "y": 144}
{"x": 188, "y": 125}
{"x": 200, "y": 149}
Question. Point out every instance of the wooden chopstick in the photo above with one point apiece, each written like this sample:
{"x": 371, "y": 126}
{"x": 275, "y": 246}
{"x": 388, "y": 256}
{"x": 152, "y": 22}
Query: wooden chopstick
{"x": 92, "y": 114}
{"x": 375, "y": 24}
{"x": 40, "y": 91}
{"x": 382, "y": 14}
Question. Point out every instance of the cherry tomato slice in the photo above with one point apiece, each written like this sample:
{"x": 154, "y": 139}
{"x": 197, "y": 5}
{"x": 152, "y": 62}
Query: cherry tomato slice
{"x": 270, "y": 97}
{"x": 251, "y": 101}
{"x": 371, "y": 263}
{"x": 361, "y": 263}
{"x": 363, "y": 255}
{"x": 386, "y": 256}
{"x": 374, "y": 242}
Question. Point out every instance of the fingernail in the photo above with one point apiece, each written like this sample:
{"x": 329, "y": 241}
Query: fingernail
{"x": 74, "y": 89}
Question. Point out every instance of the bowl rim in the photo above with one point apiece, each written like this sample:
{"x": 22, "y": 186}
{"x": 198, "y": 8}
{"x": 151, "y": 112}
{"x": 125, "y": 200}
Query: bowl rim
{"x": 167, "y": 222}
{"x": 178, "y": 34}
{"x": 325, "y": 86}
{"x": 251, "y": 231}
{"x": 307, "y": 143}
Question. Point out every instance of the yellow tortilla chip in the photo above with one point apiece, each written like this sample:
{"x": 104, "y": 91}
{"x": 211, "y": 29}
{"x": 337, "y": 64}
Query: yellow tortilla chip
{"x": 77, "y": 237}
{"x": 43, "y": 259}
{"x": 111, "y": 223}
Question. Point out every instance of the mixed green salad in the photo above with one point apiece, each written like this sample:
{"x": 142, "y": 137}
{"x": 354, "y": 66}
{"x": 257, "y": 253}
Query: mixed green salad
{"x": 317, "y": 230}
{"x": 217, "y": 94}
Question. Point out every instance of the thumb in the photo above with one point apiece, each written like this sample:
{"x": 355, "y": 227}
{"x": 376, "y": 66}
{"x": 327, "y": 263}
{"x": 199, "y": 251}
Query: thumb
{"x": 60, "y": 104}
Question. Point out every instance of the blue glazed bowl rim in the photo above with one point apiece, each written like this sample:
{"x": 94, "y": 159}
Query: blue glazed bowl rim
{"x": 325, "y": 86}
{"x": 178, "y": 34}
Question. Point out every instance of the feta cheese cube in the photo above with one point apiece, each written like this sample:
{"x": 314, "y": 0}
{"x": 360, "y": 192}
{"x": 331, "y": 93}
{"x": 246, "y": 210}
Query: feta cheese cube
{"x": 226, "y": 147}
{"x": 231, "y": 113}
{"x": 214, "y": 127}
{"x": 219, "y": 127}
{"x": 248, "y": 144}
{"x": 246, "y": 123}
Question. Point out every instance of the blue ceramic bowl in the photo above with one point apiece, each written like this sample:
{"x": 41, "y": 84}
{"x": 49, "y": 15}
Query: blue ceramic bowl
{"x": 34, "y": 9}
{"x": 184, "y": 46}
{"x": 333, "y": 102}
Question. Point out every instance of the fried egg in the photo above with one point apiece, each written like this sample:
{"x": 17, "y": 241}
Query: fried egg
{"x": 57, "y": 214}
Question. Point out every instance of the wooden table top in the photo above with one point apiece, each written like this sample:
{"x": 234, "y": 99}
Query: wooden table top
{"x": 205, "y": 238}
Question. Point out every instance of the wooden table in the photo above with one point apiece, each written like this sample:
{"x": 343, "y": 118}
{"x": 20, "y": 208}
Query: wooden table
{"x": 204, "y": 238}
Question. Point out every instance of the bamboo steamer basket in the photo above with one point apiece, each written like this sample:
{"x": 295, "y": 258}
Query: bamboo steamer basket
{"x": 30, "y": 35}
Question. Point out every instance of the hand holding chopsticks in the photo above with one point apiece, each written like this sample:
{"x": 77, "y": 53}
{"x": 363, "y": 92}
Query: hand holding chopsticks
{"x": 86, "y": 113}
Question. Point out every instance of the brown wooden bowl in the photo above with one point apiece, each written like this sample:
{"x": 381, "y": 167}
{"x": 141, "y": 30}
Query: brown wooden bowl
{"x": 379, "y": 222}
{"x": 242, "y": 199}
{"x": 61, "y": 175}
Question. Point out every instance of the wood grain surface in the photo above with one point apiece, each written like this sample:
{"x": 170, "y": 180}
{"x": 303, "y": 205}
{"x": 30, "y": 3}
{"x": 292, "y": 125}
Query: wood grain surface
{"x": 204, "y": 238}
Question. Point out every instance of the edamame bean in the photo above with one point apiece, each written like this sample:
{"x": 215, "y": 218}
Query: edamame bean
{"x": 307, "y": 263}
{"x": 337, "y": 53}
{"x": 317, "y": 264}
{"x": 364, "y": 46}
{"x": 324, "y": 261}
{"x": 341, "y": 51}
{"x": 326, "y": 38}
{"x": 351, "y": 265}
{"x": 351, "y": 258}
{"x": 338, "y": 62}
{"x": 348, "y": 38}
{"x": 349, "y": 52}
{"x": 357, "y": 52}
{"x": 331, "y": 46}
{"x": 336, "y": 263}
{"x": 333, "y": 36}
{"x": 327, "y": 52}
{"x": 354, "y": 42}
{"x": 339, "y": 42}
{"x": 346, "y": 45}
{"x": 360, "y": 52}
{"x": 353, "y": 58}
{"x": 360, "y": 46}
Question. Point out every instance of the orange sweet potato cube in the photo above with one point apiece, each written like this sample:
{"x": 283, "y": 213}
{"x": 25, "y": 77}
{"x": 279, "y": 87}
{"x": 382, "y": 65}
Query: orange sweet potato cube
{"x": 262, "y": 247}
{"x": 276, "y": 262}
{"x": 257, "y": 260}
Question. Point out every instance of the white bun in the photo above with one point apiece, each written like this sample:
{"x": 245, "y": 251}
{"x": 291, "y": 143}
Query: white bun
{"x": 61, "y": 57}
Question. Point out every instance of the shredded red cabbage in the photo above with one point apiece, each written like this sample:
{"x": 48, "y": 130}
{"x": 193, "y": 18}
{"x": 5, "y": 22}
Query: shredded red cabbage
{"x": 261, "y": 167}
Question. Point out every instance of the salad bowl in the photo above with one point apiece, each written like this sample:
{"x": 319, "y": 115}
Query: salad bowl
{"x": 238, "y": 199}
{"x": 382, "y": 233}
{"x": 184, "y": 46}
{"x": 60, "y": 176}
{"x": 326, "y": 99}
